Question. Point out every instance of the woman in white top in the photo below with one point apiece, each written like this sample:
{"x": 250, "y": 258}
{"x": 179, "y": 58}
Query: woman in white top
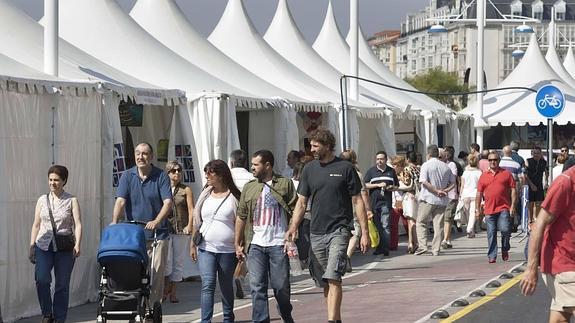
{"x": 57, "y": 211}
{"x": 468, "y": 191}
{"x": 214, "y": 219}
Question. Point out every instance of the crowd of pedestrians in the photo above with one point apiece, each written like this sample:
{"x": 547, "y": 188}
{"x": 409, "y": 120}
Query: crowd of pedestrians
{"x": 252, "y": 224}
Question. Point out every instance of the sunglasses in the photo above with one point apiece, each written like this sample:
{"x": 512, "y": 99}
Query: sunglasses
{"x": 493, "y": 160}
{"x": 564, "y": 151}
{"x": 175, "y": 170}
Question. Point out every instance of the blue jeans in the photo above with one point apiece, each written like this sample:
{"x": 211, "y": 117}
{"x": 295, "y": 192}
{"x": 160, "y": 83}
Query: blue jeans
{"x": 62, "y": 262}
{"x": 272, "y": 262}
{"x": 381, "y": 221}
{"x": 498, "y": 221}
{"x": 222, "y": 265}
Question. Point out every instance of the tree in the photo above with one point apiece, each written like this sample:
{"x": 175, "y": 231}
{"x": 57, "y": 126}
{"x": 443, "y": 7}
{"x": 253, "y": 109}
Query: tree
{"x": 438, "y": 81}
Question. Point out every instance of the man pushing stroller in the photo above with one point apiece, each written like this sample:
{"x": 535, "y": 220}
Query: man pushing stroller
{"x": 144, "y": 195}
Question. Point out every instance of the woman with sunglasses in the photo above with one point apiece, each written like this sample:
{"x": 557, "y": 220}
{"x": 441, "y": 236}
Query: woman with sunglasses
{"x": 180, "y": 229}
{"x": 212, "y": 243}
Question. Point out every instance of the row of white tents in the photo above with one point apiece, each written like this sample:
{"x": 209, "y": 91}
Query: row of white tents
{"x": 107, "y": 56}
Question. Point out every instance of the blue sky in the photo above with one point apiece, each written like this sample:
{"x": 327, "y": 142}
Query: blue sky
{"x": 375, "y": 15}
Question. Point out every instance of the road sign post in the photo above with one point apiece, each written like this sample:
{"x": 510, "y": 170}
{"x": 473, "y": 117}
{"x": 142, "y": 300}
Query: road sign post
{"x": 550, "y": 102}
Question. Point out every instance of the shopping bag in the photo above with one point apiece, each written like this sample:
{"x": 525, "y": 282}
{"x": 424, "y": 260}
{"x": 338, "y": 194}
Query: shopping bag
{"x": 373, "y": 233}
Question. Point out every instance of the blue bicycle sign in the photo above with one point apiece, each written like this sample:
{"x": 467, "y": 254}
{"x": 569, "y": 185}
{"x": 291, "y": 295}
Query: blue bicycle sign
{"x": 550, "y": 101}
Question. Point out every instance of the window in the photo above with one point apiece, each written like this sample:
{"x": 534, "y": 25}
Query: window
{"x": 560, "y": 10}
{"x": 537, "y": 9}
{"x": 516, "y": 8}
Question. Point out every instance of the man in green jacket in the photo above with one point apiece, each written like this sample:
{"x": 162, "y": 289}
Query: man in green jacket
{"x": 263, "y": 216}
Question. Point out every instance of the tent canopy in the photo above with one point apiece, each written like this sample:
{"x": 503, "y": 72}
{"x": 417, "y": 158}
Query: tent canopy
{"x": 88, "y": 25}
{"x": 236, "y": 37}
{"x": 518, "y": 107}
{"x": 26, "y": 46}
{"x": 167, "y": 23}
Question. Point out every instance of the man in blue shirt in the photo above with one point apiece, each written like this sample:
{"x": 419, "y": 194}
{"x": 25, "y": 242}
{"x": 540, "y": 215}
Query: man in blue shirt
{"x": 144, "y": 194}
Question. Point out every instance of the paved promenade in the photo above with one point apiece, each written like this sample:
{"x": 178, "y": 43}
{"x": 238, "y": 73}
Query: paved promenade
{"x": 400, "y": 288}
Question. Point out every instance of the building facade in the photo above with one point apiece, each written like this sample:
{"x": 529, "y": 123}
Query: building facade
{"x": 417, "y": 50}
{"x": 384, "y": 45}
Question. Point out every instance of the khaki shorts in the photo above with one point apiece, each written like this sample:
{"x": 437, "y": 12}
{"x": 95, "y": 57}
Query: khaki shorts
{"x": 562, "y": 290}
{"x": 450, "y": 211}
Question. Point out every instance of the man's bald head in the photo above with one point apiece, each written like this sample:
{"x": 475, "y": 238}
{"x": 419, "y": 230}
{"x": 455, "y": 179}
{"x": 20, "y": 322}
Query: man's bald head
{"x": 507, "y": 151}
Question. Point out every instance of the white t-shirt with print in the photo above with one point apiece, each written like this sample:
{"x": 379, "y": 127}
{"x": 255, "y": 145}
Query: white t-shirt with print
{"x": 269, "y": 222}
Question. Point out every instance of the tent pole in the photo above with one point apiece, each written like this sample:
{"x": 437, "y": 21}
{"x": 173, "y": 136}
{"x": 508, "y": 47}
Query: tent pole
{"x": 550, "y": 149}
{"x": 480, "y": 20}
{"x": 51, "y": 37}
{"x": 354, "y": 48}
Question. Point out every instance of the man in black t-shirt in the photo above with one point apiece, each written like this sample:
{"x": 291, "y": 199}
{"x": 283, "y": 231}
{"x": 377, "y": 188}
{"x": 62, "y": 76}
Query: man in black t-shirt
{"x": 381, "y": 180}
{"x": 333, "y": 185}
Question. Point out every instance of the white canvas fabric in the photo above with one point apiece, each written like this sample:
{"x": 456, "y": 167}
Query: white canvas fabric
{"x": 29, "y": 108}
{"x": 236, "y": 37}
{"x": 285, "y": 38}
{"x": 88, "y": 25}
{"x": 167, "y": 23}
{"x": 368, "y": 58}
{"x": 331, "y": 46}
{"x": 569, "y": 62}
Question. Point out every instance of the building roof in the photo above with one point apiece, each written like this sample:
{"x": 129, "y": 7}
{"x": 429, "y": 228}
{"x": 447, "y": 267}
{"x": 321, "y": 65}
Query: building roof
{"x": 504, "y": 6}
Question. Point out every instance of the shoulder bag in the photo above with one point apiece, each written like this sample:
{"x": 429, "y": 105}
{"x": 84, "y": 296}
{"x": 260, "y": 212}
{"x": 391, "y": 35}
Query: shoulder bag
{"x": 63, "y": 242}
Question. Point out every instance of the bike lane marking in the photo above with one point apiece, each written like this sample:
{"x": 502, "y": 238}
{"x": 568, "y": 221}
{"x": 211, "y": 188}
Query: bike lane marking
{"x": 484, "y": 300}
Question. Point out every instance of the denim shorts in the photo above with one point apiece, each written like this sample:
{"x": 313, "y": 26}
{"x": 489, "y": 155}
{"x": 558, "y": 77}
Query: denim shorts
{"x": 330, "y": 252}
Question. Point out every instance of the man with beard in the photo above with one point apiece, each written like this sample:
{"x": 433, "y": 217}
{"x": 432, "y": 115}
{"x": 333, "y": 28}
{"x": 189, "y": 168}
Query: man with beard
{"x": 333, "y": 185}
{"x": 263, "y": 216}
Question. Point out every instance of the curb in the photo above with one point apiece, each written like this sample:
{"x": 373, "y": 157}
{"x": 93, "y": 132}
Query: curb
{"x": 485, "y": 293}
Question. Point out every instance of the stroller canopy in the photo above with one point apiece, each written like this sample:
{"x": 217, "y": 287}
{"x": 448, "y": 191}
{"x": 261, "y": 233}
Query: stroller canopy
{"x": 123, "y": 241}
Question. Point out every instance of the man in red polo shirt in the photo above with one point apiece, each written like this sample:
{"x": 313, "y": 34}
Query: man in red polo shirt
{"x": 497, "y": 187}
{"x": 552, "y": 238}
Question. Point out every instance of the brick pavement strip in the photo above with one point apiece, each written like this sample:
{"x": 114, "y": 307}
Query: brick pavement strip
{"x": 400, "y": 288}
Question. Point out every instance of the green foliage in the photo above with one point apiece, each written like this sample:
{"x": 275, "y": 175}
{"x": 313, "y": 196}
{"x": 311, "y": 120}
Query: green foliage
{"x": 438, "y": 81}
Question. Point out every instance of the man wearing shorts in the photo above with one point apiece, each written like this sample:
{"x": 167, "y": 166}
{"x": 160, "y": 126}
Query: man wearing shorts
{"x": 333, "y": 185}
{"x": 551, "y": 246}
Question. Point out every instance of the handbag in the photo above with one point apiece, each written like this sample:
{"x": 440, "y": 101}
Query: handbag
{"x": 63, "y": 242}
{"x": 198, "y": 238}
{"x": 373, "y": 233}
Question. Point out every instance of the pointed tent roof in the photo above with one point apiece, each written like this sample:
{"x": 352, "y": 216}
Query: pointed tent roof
{"x": 368, "y": 57}
{"x": 164, "y": 20}
{"x": 26, "y": 47}
{"x": 103, "y": 30}
{"x": 13, "y": 71}
{"x": 284, "y": 37}
{"x": 518, "y": 106}
{"x": 330, "y": 45}
{"x": 553, "y": 59}
{"x": 569, "y": 62}
{"x": 235, "y": 36}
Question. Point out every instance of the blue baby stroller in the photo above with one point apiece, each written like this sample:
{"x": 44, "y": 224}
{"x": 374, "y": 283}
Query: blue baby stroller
{"x": 125, "y": 282}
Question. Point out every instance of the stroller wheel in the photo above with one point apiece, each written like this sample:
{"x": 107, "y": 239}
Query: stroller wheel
{"x": 157, "y": 313}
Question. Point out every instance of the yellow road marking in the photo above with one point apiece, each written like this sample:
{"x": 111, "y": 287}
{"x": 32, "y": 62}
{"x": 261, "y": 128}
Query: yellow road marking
{"x": 487, "y": 298}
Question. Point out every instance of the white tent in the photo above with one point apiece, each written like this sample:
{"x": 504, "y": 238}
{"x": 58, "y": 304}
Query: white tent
{"x": 569, "y": 62}
{"x": 167, "y": 23}
{"x": 518, "y": 107}
{"x": 331, "y": 46}
{"x": 553, "y": 59}
{"x": 368, "y": 58}
{"x": 46, "y": 120}
{"x": 285, "y": 38}
{"x": 236, "y": 37}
